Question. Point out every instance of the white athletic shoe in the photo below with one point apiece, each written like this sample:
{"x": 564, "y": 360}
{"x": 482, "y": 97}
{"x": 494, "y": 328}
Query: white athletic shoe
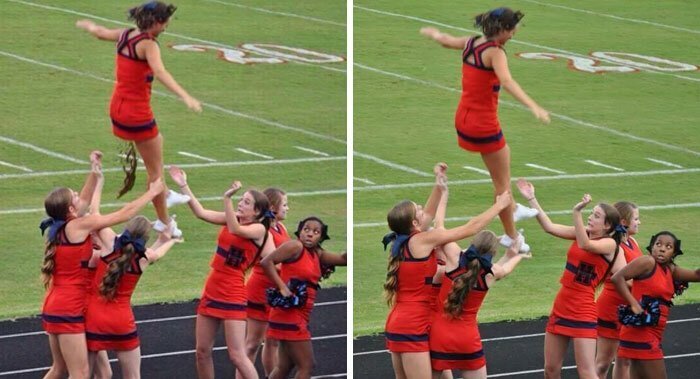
{"x": 161, "y": 227}
{"x": 176, "y": 198}
{"x": 523, "y": 213}
{"x": 506, "y": 241}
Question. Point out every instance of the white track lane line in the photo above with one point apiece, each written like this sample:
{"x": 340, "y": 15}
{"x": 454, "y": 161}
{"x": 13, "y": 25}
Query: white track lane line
{"x": 599, "y": 164}
{"x": 669, "y": 164}
{"x": 25, "y": 169}
{"x": 196, "y": 156}
{"x": 41, "y": 150}
{"x": 268, "y": 11}
{"x": 544, "y": 168}
{"x": 253, "y": 153}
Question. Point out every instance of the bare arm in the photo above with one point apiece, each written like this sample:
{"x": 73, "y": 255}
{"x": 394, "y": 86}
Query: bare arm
{"x": 151, "y": 51}
{"x": 99, "y": 31}
{"x": 333, "y": 259}
{"x": 86, "y": 193}
{"x": 686, "y": 275}
{"x": 441, "y": 210}
{"x": 255, "y": 231}
{"x": 640, "y": 266}
{"x": 507, "y": 263}
{"x": 558, "y": 230}
{"x": 158, "y": 251}
{"x": 603, "y": 246}
{"x": 499, "y": 62}
{"x": 286, "y": 251}
{"x": 208, "y": 215}
{"x": 444, "y": 39}
{"x": 432, "y": 203}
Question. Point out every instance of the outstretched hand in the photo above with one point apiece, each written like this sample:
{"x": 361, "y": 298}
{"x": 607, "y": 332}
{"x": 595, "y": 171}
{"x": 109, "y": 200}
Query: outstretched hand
{"x": 178, "y": 175}
{"x": 96, "y": 162}
{"x": 430, "y": 32}
{"x": 541, "y": 114}
{"x": 526, "y": 188}
{"x": 193, "y": 104}
{"x": 235, "y": 186}
{"x": 504, "y": 200}
{"x": 157, "y": 186}
{"x": 85, "y": 24}
{"x": 582, "y": 204}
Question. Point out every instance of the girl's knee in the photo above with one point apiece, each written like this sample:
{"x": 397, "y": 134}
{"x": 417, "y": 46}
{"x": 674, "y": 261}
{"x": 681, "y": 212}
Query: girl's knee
{"x": 203, "y": 352}
{"x": 551, "y": 370}
{"x": 238, "y": 357}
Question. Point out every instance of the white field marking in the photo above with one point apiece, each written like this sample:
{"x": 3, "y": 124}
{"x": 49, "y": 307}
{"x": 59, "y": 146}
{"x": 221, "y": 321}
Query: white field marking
{"x": 596, "y": 163}
{"x": 8, "y": 164}
{"x": 343, "y": 374}
{"x": 164, "y": 319}
{"x": 156, "y": 355}
{"x": 553, "y": 115}
{"x": 561, "y": 212}
{"x": 70, "y": 11}
{"x": 531, "y": 178}
{"x": 530, "y": 44}
{"x": 246, "y": 151}
{"x": 209, "y": 198}
{"x": 196, "y": 156}
{"x": 124, "y": 156}
{"x": 638, "y": 21}
{"x": 545, "y": 168}
{"x": 479, "y": 170}
{"x": 363, "y": 180}
{"x": 312, "y": 151}
{"x": 392, "y": 165}
{"x": 664, "y": 163}
{"x": 41, "y": 150}
{"x": 164, "y": 94}
{"x": 263, "y": 10}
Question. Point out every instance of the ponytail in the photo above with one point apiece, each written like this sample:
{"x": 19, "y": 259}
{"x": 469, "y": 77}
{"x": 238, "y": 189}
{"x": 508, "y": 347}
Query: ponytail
{"x": 391, "y": 284}
{"x": 115, "y": 271}
{"x": 49, "y": 263}
{"x": 129, "y": 163}
{"x": 471, "y": 261}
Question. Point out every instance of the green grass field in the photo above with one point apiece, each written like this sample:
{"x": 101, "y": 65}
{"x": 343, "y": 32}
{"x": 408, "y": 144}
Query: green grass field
{"x": 55, "y": 86}
{"x": 406, "y": 90}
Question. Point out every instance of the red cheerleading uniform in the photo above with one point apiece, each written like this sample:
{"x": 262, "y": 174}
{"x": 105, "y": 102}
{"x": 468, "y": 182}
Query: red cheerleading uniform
{"x": 644, "y": 342}
{"x": 64, "y": 305}
{"x": 574, "y": 312}
{"x": 224, "y": 294}
{"x": 292, "y": 324}
{"x": 455, "y": 343}
{"x": 476, "y": 120}
{"x": 609, "y": 299}
{"x": 408, "y": 323}
{"x": 130, "y": 107}
{"x": 110, "y": 324}
{"x": 258, "y": 281}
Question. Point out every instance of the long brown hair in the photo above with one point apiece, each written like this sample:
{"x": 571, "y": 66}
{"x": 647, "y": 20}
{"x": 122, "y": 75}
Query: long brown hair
{"x": 497, "y": 20}
{"x": 138, "y": 227}
{"x": 400, "y": 219}
{"x": 57, "y": 205}
{"x": 148, "y": 14}
{"x": 616, "y": 231}
{"x": 275, "y": 197}
{"x": 485, "y": 242}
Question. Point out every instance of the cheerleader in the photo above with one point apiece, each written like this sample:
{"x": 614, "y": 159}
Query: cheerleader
{"x": 301, "y": 260}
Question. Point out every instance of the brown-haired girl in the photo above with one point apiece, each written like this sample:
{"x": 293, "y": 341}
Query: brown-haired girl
{"x": 653, "y": 279}
{"x": 65, "y": 273}
{"x": 243, "y": 240}
{"x": 110, "y": 322}
{"x": 609, "y": 300}
{"x": 138, "y": 61}
{"x": 594, "y": 253}
{"x": 301, "y": 261}
{"x": 412, "y": 265}
{"x": 258, "y": 283}
{"x": 484, "y": 72}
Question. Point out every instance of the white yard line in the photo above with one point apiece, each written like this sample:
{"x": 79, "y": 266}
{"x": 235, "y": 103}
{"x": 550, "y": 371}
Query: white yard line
{"x": 553, "y": 115}
{"x": 479, "y": 170}
{"x": 363, "y": 180}
{"x": 25, "y": 169}
{"x": 634, "y": 20}
{"x": 196, "y": 156}
{"x": 124, "y": 156}
{"x": 253, "y": 153}
{"x": 530, "y": 44}
{"x": 544, "y": 168}
{"x": 664, "y": 163}
{"x": 41, "y": 150}
{"x": 312, "y": 151}
{"x": 599, "y": 164}
{"x": 294, "y": 15}
{"x": 392, "y": 165}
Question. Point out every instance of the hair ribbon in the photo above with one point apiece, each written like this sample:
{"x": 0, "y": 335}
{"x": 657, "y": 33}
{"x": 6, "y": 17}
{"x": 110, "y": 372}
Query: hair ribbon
{"x": 398, "y": 241}
{"x": 53, "y": 225}
{"x": 471, "y": 254}
{"x": 125, "y": 238}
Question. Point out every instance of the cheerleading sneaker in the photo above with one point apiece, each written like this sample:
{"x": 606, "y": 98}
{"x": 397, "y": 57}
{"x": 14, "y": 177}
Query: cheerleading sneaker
{"x": 523, "y": 213}
{"x": 506, "y": 241}
{"x": 176, "y": 198}
{"x": 173, "y": 230}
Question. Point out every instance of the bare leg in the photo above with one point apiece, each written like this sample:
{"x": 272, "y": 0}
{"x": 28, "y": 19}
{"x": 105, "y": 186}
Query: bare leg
{"x": 151, "y": 152}
{"x": 621, "y": 370}
{"x": 554, "y": 349}
{"x": 396, "y": 362}
{"x": 74, "y": 351}
{"x": 498, "y": 164}
{"x": 58, "y": 367}
{"x": 416, "y": 365}
{"x": 269, "y": 354}
{"x": 302, "y": 355}
{"x": 606, "y": 350}
{"x": 130, "y": 363}
{"x": 234, "y": 331}
{"x": 652, "y": 369}
{"x": 584, "y": 352}
{"x": 475, "y": 374}
{"x": 99, "y": 365}
{"x": 255, "y": 333}
{"x": 284, "y": 362}
{"x": 205, "y": 331}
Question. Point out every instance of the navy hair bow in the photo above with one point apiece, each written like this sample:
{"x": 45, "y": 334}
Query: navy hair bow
{"x": 470, "y": 254}
{"x": 496, "y": 13}
{"x": 269, "y": 214}
{"x": 399, "y": 240}
{"x": 125, "y": 238}
{"x": 621, "y": 229}
{"x": 53, "y": 225}
{"x": 150, "y": 5}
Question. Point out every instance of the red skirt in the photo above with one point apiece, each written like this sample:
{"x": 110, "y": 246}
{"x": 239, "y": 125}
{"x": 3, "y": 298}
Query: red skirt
{"x": 478, "y": 131}
{"x": 256, "y": 286}
{"x": 110, "y": 325}
{"x": 608, "y": 324}
{"x": 64, "y": 310}
{"x": 407, "y": 327}
{"x": 455, "y": 344}
{"x": 573, "y": 314}
{"x": 224, "y": 297}
{"x": 132, "y": 120}
{"x": 289, "y": 324}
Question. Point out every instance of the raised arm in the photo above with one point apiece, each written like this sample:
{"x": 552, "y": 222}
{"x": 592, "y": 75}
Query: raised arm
{"x": 99, "y": 31}
{"x": 601, "y": 246}
{"x": 86, "y": 193}
{"x": 499, "y": 62}
{"x": 441, "y": 210}
{"x": 255, "y": 231}
{"x": 640, "y": 266}
{"x": 208, "y": 215}
{"x": 558, "y": 230}
{"x": 432, "y": 203}
{"x": 333, "y": 259}
{"x": 686, "y": 275}
{"x": 158, "y": 251}
{"x": 507, "y": 263}
{"x": 444, "y": 39}
{"x": 287, "y": 251}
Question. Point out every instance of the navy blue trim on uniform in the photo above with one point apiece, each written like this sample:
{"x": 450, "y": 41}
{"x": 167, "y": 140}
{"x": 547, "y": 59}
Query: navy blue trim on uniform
{"x": 456, "y": 356}
{"x": 479, "y": 140}
{"x": 282, "y": 326}
{"x": 570, "y": 267}
{"x": 62, "y": 319}
{"x": 398, "y": 337}
{"x": 635, "y": 345}
{"x": 224, "y": 305}
{"x": 256, "y": 306}
{"x": 428, "y": 280}
{"x": 111, "y": 337}
{"x": 84, "y": 264}
{"x": 607, "y": 324}
{"x": 221, "y": 252}
{"x": 135, "y": 128}
{"x": 576, "y": 324}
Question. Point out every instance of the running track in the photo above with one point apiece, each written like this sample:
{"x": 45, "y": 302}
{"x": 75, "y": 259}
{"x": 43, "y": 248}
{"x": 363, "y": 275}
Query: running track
{"x": 515, "y": 349}
{"x": 167, "y": 342}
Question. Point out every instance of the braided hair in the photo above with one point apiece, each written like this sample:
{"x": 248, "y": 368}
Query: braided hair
{"x": 56, "y": 204}
{"x": 400, "y": 219}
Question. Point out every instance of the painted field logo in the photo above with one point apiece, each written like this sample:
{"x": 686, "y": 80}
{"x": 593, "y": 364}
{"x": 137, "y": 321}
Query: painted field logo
{"x": 621, "y": 62}
{"x": 264, "y": 53}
